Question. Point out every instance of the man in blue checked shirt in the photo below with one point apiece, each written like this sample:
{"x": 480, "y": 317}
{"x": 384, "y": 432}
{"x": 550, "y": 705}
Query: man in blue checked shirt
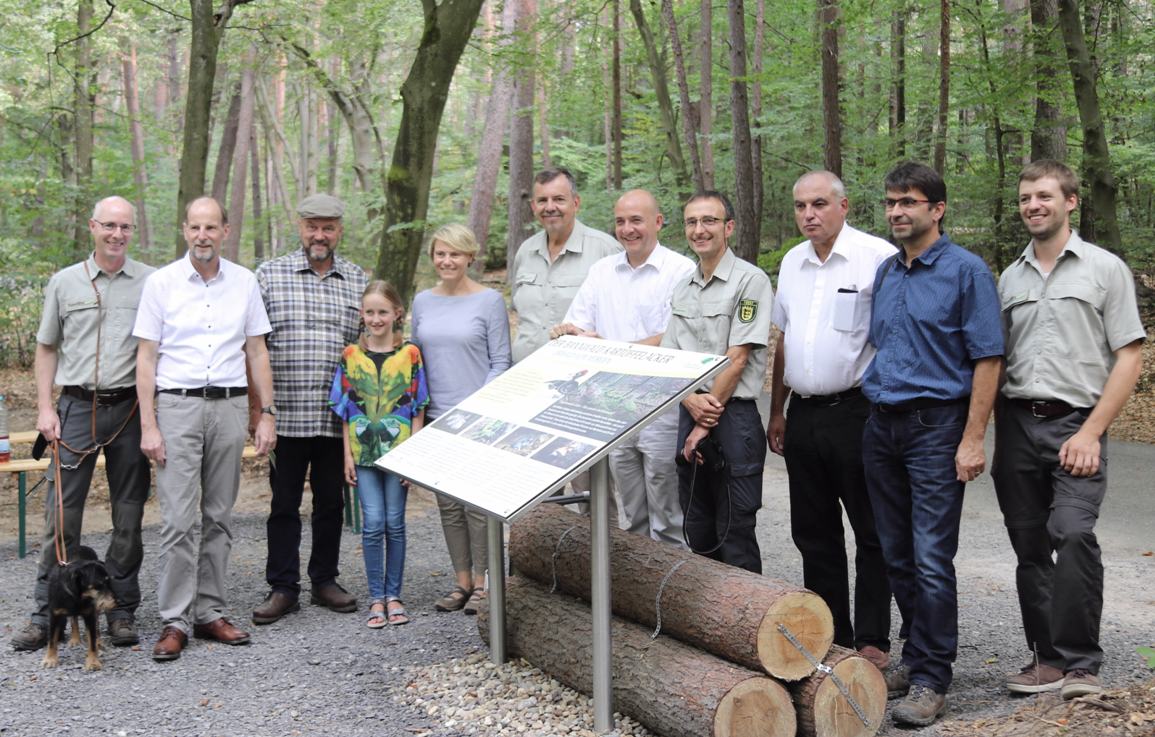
{"x": 932, "y": 383}
{"x": 313, "y": 297}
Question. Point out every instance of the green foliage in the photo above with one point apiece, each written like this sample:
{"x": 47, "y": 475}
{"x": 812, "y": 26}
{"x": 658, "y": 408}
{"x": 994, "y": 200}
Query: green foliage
{"x": 1148, "y": 654}
{"x": 771, "y": 261}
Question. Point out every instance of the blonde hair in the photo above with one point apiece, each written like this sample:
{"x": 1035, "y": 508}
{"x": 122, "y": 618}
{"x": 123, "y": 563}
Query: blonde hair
{"x": 458, "y": 237}
{"x": 388, "y": 291}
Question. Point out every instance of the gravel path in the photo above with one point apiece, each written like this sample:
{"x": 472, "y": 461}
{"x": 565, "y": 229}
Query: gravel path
{"x": 319, "y": 673}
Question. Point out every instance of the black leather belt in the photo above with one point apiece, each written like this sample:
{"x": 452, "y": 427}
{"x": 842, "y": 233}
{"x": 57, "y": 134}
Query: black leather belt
{"x": 829, "y": 400}
{"x": 921, "y": 403}
{"x": 1044, "y": 409}
{"x": 105, "y": 396}
{"x": 209, "y": 392}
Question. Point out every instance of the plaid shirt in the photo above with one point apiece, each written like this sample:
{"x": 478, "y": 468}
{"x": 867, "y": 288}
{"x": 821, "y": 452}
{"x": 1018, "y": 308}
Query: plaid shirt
{"x": 313, "y": 317}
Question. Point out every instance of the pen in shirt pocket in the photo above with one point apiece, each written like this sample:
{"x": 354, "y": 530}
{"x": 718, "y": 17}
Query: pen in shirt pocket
{"x": 848, "y": 290}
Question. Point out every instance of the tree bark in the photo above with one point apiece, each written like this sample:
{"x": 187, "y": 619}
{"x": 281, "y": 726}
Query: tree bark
{"x": 822, "y": 709}
{"x": 228, "y": 145}
{"x": 673, "y": 689}
{"x": 492, "y": 137}
{"x": 940, "y": 128}
{"x": 136, "y": 130}
{"x": 261, "y": 231}
{"x": 898, "y": 86}
{"x": 661, "y": 93}
{"x": 208, "y": 25}
{"x": 447, "y": 28}
{"x": 1001, "y": 236}
{"x": 740, "y": 624}
{"x": 746, "y": 242}
{"x": 706, "y": 91}
{"x": 617, "y": 95}
{"x": 84, "y": 107}
{"x": 1097, "y": 218}
{"x": 1049, "y": 133}
{"x": 828, "y": 22}
{"x": 684, "y": 94}
{"x": 756, "y": 108}
{"x": 518, "y": 212}
{"x": 232, "y": 245}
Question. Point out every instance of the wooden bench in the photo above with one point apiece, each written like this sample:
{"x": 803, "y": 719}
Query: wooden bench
{"x": 22, "y": 467}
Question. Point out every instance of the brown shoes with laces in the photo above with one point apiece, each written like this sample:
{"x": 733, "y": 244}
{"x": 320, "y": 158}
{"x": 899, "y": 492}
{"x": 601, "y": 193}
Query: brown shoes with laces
{"x": 172, "y": 641}
{"x": 221, "y": 630}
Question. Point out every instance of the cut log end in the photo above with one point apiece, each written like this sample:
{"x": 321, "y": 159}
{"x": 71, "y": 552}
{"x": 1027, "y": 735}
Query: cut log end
{"x": 809, "y": 620}
{"x": 754, "y": 708}
{"x": 823, "y": 711}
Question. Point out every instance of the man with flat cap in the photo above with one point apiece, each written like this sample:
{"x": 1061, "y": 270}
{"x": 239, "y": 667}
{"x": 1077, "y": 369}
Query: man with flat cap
{"x": 313, "y": 297}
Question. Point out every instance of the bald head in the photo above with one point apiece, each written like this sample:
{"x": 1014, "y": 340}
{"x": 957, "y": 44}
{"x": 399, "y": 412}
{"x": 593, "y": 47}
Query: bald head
{"x": 820, "y": 208}
{"x": 636, "y": 224}
{"x": 111, "y": 225}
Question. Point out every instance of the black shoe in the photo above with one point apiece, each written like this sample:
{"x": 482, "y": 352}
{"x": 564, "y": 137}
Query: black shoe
{"x": 32, "y": 637}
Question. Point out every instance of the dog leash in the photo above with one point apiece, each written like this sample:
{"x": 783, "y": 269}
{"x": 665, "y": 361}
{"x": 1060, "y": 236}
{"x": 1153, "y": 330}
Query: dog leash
{"x": 58, "y": 535}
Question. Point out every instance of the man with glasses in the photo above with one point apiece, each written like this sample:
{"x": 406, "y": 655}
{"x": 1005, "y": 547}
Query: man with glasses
{"x": 822, "y": 308}
{"x": 313, "y": 297}
{"x": 722, "y": 308}
{"x": 935, "y": 327}
{"x": 1074, "y": 353}
{"x": 85, "y": 345}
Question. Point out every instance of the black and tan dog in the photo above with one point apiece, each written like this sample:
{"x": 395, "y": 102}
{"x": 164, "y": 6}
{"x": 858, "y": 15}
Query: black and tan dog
{"x": 79, "y": 590}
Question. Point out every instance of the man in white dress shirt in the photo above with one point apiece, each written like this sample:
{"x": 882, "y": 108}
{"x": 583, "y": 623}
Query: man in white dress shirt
{"x": 823, "y": 310}
{"x": 626, "y": 297}
{"x": 199, "y": 319}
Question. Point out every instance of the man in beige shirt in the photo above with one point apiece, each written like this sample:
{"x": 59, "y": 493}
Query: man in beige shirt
{"x": 551, "y": 264}
{"x": 1073, "y": 356}
{"x": 85, "y": 345}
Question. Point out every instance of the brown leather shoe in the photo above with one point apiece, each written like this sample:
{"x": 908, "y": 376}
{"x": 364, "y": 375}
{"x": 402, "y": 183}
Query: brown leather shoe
{"x": 333, "y": 597}
{"x": 168, "y": 647}
{"x": 877, "y": 657}
{"x": 221, "y": 630}
{"x": 276, "y": 605}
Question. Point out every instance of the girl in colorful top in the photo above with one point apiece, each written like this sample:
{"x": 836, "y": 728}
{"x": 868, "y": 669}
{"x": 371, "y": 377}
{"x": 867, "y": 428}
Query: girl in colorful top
{"x": 379, "y": 392}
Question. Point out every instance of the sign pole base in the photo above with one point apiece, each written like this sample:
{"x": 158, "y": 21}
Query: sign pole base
{"x": 495, "y": 530}
{"x": 600, "y": 605}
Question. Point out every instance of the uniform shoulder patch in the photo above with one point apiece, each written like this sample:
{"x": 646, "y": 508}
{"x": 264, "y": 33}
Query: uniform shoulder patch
{"x": 747, "y": 310}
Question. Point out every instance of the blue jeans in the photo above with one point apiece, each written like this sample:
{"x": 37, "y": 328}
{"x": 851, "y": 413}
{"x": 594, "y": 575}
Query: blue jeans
{"x": 383, "y": 520}
{"x": 917, "y": 502}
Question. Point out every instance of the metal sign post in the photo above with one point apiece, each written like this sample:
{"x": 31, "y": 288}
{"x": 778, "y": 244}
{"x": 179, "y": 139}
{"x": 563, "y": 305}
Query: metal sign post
{"x": 600, "y": 605}
{"x": 496, "y": 535}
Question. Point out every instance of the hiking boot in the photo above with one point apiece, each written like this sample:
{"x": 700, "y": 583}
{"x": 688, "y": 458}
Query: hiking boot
{"x": 32, "y": 637}
{"x": 333, "y": 597}
{"x": 1035, "y": 678}
{"x": 897, "y": 680}
{"x": 122, "y": 632}
{"x": 1080, "y": 682}
{"x": 920, "y": 707}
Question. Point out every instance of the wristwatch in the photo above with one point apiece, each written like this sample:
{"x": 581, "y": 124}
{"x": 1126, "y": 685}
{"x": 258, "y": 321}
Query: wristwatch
{"x": 270, "y": 410}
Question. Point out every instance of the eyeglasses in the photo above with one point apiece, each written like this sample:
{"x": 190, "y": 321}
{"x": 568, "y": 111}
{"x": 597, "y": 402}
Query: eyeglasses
{"x": 113, "y": 227}
{"x": 706, "y": 222}
{"x": 905, "y": 203}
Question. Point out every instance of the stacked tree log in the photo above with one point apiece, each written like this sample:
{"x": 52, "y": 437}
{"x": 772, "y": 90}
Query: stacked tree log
{"x": 720, "y": 637}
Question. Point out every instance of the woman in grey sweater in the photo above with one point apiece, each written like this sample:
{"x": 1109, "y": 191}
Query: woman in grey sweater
{"x": 462, "y": 329}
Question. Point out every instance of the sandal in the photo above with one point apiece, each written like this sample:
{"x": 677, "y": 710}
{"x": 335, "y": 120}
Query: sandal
{"x": 397, "y": 615}
{"x": 378, "y": 618}
{"x": 453, "y": 601}
{"x": 475, "y": 600}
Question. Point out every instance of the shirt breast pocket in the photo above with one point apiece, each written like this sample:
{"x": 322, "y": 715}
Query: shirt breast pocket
{"x": 718, "y": 314}
{"x": 1089, "y": 294}
{"x": 80, "y": 311}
